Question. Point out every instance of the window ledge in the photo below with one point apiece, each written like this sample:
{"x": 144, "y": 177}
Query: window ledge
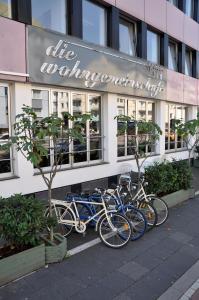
{"x": 175, "y": 150}
{"x": 36, "y": 173}
{"x": 9, "y": 177}
{"x": 133, "y": 158}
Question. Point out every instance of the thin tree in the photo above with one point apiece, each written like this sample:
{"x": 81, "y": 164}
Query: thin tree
{"x": 31, "y": 135}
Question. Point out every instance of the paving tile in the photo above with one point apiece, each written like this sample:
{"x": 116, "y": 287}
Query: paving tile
{"x": 180, "y": 237}
{"x": 133, "y": 270}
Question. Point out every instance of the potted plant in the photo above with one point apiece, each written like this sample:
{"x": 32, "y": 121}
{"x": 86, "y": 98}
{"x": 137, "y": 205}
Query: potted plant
{"x": 32, "y": 137}
{"x": 21, "y": 221}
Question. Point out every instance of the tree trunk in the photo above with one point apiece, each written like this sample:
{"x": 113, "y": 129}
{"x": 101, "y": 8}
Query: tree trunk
{"x": 50, "y": 209}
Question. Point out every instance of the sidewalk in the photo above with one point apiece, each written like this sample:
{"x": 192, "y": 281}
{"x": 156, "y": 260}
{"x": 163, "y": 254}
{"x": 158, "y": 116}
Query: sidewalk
{"x": 143, "y": 270}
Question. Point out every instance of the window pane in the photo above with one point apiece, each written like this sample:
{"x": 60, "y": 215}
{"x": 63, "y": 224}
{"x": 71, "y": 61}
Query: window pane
{"x": 127, "y": 37}
{"x": 40, "y": 103}
{"x": 188, "y": 63}
{"x": 5, "y": 8}
{"x": 4, "y": 131}
{"x": 94, "y": 23}
{"x": 121, "y": 106}
{"x": 172, "y": 56}
{"x": 131, "y": 108}
{"x": 60, "y": 102}
{"x": 95, "y": 110}
{"x": 49, "y": 14}
{"x": 141, "y": 110}
{"x": 189, "y": 9}
{"x": 153, "y": 47}
{"x": 151, "y": 111}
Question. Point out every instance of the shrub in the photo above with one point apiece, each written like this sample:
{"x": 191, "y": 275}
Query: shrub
{"x": 21, "y": 220}
{"x": 167, "y": 177}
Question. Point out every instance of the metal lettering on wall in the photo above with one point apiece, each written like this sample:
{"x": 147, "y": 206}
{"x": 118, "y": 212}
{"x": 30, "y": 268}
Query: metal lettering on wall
{"x": 61, "y": 60}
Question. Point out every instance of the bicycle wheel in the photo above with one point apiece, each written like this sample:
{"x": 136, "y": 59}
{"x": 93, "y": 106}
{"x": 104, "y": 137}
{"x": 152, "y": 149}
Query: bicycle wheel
{"x": 60, "y": 213}
{"x": 149, "y": 212}
{"x": 115, "y": 231}
{"x": 137, "y": 220}
{"x": 161, "y": 207}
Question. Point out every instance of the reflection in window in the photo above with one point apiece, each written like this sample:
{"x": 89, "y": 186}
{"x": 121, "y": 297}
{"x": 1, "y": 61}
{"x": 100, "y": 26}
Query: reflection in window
{"x": 49, "y": 14}
{"x": 189, "y": 8}
{"x": 173, "y": 112}
{"x": 5, "y": 8}
{"x": 5, "y": 156}
{"x": 127, "y": 37}
{"x": 138, "y": 110}
{"x": 173, "y": 56}
{"x": 94, "y": 23}
{"x": 153, "y": 47}
{"x": 189, "y": 62}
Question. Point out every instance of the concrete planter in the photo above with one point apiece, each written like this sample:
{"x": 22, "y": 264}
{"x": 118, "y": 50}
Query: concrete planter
{"x": 178, "y": 197}
{"x": 55, "y": 251}
{"x": 22, "y": 263}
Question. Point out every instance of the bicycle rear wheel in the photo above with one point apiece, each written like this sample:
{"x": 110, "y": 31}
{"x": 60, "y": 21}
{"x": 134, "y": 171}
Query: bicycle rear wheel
{"x": 161, "y": 207}
{"x": 115, "y": 231}
{"x": 137, "y": 220}
{"x": 149, "y": 212}
{"x": 60, "y": 213}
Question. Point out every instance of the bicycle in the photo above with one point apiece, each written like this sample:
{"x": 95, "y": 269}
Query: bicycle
{"x": 114, "y": 229}
{"x": 159, "y": 204}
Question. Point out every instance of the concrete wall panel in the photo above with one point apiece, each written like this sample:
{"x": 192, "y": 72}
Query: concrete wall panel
{"x": 155, "y": 13}
{"x": 190, "y": 90}
{"x": 175, "y": 19}
{"x": 132, "y": 7}
{"x": 174, "y": 86}
{"x": 191, "y": 33}
{"x": 12, "y": 46}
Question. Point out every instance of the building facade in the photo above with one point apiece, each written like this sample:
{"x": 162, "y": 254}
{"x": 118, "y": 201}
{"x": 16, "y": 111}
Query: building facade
{"x": 138, "y": 58}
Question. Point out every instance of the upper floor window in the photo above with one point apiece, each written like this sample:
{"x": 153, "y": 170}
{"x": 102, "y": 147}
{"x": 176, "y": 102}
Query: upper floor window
{"x": 49, "y": 14}
{"x": 5, "y": 8}
{"x": 153, "y": 47}
{"x": 5, "y": 155}
{"x": 174, "y": 2}
{"x": 189, "y": 8}
{"x": 127, "y": 37}
{"x": 94, "y": 23}
{"x": 189, "y": 62}
{"x": 173, "y": 56}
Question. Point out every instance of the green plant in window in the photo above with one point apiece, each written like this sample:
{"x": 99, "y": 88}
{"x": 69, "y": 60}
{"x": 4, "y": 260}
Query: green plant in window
{"x": 31, "y": 134}
{"x": 142, "y": 137}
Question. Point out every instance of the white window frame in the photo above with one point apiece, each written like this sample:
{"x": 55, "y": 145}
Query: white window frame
{"x": 71, "y": 92}
{"x": 136, "y": 100}
{"x": 169, "y": 130}
{"x": 8, "y": 174}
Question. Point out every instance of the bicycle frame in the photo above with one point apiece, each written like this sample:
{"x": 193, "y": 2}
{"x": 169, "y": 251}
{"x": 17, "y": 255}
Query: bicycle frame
{"x": 80, "y": 226}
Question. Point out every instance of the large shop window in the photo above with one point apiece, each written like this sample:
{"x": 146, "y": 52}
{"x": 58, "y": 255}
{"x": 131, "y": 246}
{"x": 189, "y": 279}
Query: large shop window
{"x": 173, "y": 56}
{"x": 153, "y": 47}
{"x": 173, "y": 140}
{"x": 49, "y": 14}
{"x": 94, "y": 23}
{"x": 5, "y": 8}
{"x": 127, "y": 37}
{"x": 189, "y": 8}
{"x": 189, "y": 62}
{"x": 45, "y": 102}
{"x": 5, "y": 156}
{"x": 139, "y": 110}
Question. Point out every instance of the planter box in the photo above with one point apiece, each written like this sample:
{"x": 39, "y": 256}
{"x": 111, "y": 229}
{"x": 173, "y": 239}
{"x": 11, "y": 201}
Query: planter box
{"x": 55, "y": 251}
{"x": 22, "y": 263}
{"x": 178, "y": 197}
{"x": 196, "y": 163}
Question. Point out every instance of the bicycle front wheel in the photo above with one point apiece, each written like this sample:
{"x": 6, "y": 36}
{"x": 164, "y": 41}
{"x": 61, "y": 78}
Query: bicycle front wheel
{"x": 115, "y": 231}
{"x": 161, "y": 208}
{"x": 137, "y": 220}
{"x": 149, "y": 212}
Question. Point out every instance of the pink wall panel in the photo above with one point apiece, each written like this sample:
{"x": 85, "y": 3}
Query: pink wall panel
{"x": 190, "y": 26}
{"x": 174, "y": 86}
{"x": 175, "y": 19}
{"x": 190, "y": 90}
{"x": 155, "y": 13}
{"x": 133, "y": 7}
{"x": 12, "y": 46}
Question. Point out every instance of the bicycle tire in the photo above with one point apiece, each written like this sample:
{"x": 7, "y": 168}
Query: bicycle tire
{"x": 161, "y": 207}
{"x": 149, "y": 212}
{"x": 122, "y": 231}
{"x": 137, "y": 220}
{"x": 63, "y": 229}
